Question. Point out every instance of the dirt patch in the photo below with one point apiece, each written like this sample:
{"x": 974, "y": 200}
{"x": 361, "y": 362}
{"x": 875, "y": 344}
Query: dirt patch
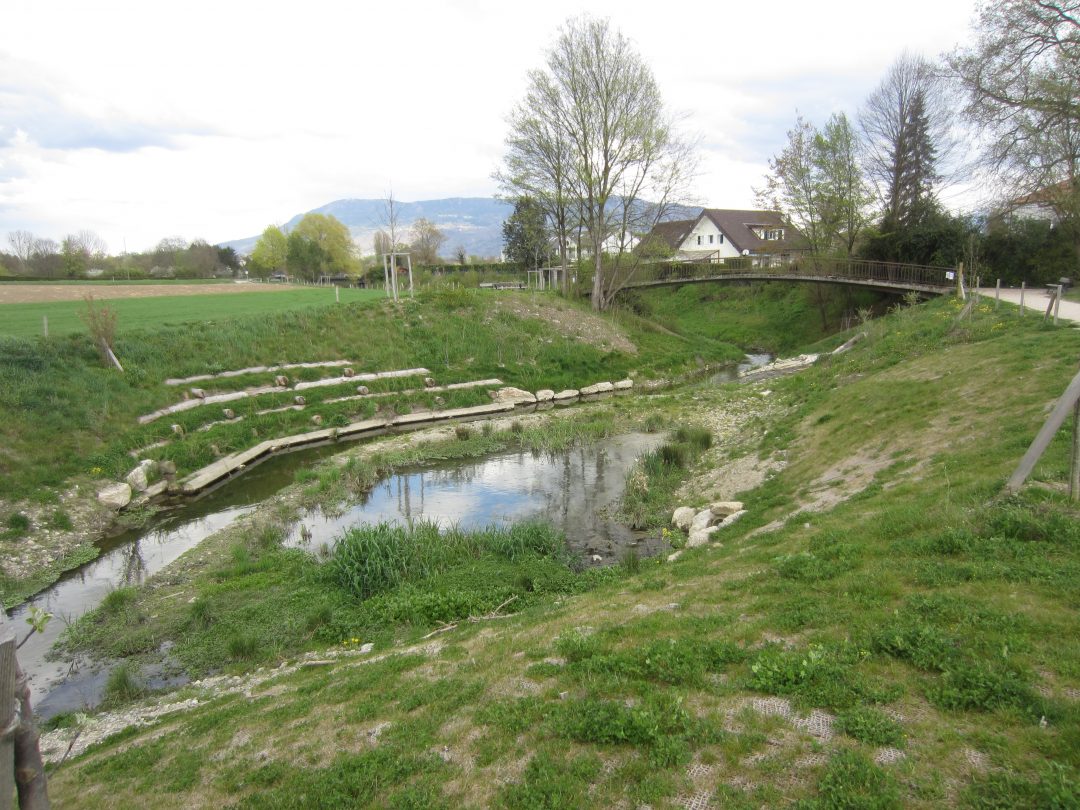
{"x": 570, "y": 322}
{"x": 46, "y": 293}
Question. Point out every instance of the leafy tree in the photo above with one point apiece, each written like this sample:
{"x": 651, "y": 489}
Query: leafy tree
{"x": 817, "y": 185}
{"x": 1022, "y": 79}
{"x": 305, "y": 257}
{"x": 596, "y": 107}
{"x": 270, "y": 254}
{"x": 525, "y": 235}
{"x": 335, "y": 253}
{"x": 938, "y": 238}
{"x": 228, "y": 257}
{"x": 426, "y": 241}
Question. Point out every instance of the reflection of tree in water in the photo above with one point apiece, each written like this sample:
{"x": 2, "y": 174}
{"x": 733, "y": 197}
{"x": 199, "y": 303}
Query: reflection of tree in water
{"x": 134, "y": 568}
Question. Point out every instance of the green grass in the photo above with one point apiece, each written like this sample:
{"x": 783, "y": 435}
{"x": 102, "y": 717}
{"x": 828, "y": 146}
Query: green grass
{"x": 133, "y": 314}
{"x": 918, "y": 609}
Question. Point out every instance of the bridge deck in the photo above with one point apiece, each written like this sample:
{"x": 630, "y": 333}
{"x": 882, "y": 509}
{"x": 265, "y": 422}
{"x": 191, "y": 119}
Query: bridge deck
{"x": 887, "y": 276}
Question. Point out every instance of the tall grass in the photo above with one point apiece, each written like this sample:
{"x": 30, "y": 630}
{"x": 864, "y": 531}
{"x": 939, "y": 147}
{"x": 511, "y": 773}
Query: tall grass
{"x": 373, "y": 558}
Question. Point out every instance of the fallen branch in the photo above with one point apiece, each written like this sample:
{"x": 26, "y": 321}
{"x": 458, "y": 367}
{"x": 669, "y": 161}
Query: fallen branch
{"x": 495, "y": 614}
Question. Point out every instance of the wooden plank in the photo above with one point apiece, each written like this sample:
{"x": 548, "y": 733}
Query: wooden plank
{"x": 7, "y": 712}
{"x": 1053, "y": 423}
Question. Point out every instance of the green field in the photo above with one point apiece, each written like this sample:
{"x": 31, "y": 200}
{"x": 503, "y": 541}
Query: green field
{"x": 25, "y": 320}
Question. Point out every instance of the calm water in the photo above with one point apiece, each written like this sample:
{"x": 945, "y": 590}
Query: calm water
{"x": 573, "y": 489}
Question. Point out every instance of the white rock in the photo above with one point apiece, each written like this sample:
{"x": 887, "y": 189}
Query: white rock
{"x": 599, "y": 388}
{"x": 624, "y": 385}
{"x": 674, "y": 555}
{"x": 137, "y": 479}
{"x": 366, "y": 648}
{"x": 682, "y": 517}
{"x": 699, "y": 537}
{"x": 545, "y": 395}
{"x": 115, "y": 496}
{"x": 198, "y": 393}
{"x": 702, "y": 520}
{"x": 513, "y": 395}
{"x": 567, "y": 394}
{"x": 731, "y": 519}
{"x": 724, "y": 508}
{"x": 597, "y": 558}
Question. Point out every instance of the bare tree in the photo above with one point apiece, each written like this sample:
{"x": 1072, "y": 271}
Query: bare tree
{"x": 1022, "y": 78}
{"x": 22, "y": 245}
{"x": 87, "y": 243}
{"x": 598, "y": 100}
{"x": 906, "y": 126}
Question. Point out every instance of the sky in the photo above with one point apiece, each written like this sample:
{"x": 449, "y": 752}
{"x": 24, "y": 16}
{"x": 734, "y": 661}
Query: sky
{"x": 212, "y": 120}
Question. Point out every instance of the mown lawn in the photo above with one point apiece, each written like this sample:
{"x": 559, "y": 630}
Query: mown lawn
{"x": 133, "y": 314}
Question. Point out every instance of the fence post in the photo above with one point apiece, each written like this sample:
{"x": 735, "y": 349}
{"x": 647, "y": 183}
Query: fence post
{"x": 1074, "y": 468}
{"x": 7, "y": 714}
{"x": 1057, "y": 301}
{"x": 1023, "y": 289}
{"x": 997, "y": 295}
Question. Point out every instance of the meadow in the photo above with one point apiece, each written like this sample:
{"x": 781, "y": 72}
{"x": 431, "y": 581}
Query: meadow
{"x": 139, "y": 313}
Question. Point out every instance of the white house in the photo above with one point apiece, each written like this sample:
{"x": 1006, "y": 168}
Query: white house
{"x": 721, "y": 233}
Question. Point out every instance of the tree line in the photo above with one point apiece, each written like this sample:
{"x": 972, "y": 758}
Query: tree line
{"x": 591, "y": 141}
{"x": 85, "y": 255}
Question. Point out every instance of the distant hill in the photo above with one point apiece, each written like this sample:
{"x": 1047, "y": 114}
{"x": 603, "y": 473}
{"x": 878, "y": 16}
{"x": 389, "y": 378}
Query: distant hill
{"x": 475, "y": 223}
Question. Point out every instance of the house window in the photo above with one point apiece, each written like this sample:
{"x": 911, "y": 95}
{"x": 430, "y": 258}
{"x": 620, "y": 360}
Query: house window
{"x": 710, "y": 238}
{"x": 720, "y": 239}
{"x": 774, "y": 234}
{"x": 699, "y": 239}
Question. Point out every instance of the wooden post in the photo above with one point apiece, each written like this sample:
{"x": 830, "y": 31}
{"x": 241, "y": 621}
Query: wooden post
{"x": 1023, "y": 289}
{"x": 997, "y": 295}
{"x": 960, "y": 281}
{"x": 1065, "y": 404}
{"x": 7, "y": 713}
{"x": 1074, "y": 469}
{"x": 1050, "y": 306}
{"x": 1057, "y": 301}
{"x": 337, "y": 294}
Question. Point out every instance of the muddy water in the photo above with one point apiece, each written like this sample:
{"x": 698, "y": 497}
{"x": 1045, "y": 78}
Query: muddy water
{"x": 573, "y": 489}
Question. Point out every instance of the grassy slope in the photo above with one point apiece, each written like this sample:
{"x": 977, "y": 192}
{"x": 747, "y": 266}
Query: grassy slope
{"x": 933, "y": 621}
{"x": 25, "y": 320}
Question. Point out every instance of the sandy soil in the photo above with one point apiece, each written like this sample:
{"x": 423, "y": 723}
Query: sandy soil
{"x": 44, "y": 293}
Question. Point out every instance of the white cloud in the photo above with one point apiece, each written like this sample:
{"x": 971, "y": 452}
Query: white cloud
{"x": 214, "y": 119}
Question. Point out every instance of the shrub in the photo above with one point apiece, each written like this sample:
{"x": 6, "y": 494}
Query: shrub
{"x": 242, "y": 646}
{"x": 122, "y": 685}
{"x": 118, "y": 599}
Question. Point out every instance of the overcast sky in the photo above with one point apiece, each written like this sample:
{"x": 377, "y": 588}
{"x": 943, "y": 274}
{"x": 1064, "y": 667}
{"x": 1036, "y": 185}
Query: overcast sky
{"x": 141, "y": 120}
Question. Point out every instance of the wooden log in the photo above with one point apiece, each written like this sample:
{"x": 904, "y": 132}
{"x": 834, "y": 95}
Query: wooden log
{"x": 1074, "y": 469}
{"x": 1066, "y": 404}
{"x": 7, "y": 713}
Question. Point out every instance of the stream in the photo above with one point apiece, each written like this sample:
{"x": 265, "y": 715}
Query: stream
{"x": 573, "y": 489}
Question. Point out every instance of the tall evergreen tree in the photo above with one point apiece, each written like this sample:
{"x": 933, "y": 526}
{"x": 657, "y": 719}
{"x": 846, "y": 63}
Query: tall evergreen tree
{"x": 525, "y": 234}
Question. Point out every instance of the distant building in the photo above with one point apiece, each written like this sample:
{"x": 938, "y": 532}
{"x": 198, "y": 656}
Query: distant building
{"x": 1044, "y": 204}
{"x": 722, "y": 233}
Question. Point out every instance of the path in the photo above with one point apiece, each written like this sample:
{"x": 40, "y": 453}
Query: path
{"x": 1036, "y": 300}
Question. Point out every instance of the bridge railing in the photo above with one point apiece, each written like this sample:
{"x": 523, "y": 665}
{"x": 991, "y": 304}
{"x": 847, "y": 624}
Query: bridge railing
{"x": 866, "y": 270}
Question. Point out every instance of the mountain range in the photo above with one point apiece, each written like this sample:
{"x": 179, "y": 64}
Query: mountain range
{"x": 474, "y": 223}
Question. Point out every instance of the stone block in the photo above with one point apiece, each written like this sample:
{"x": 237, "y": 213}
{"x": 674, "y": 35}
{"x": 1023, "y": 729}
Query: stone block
{"x": 724, "y": 508}
{"x": 363, "y": 390}
{"x": 115, "y": 496}
{"x": 198, "y": 393}
{"x": 509, "y": 394}
{"x": 545, "y": 395}
{"x": 599, "y": 388}
{"x": 702, "y": 520}
{"x": 682, "y": 517}
{"x": 299, "y": 400}
{"x": 623, "y": 385}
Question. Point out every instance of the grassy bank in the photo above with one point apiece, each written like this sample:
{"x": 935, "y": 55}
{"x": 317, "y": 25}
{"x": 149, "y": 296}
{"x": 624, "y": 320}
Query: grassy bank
{"x": 66, "y": 414}
{"x": 908, "y": 640}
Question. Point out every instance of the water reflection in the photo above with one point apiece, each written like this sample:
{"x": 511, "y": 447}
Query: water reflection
{"x": 574, "y": 490}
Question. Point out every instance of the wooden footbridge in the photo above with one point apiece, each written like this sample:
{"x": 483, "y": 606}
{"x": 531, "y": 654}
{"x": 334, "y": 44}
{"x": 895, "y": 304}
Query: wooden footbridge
{"x": 885, "y": 276}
